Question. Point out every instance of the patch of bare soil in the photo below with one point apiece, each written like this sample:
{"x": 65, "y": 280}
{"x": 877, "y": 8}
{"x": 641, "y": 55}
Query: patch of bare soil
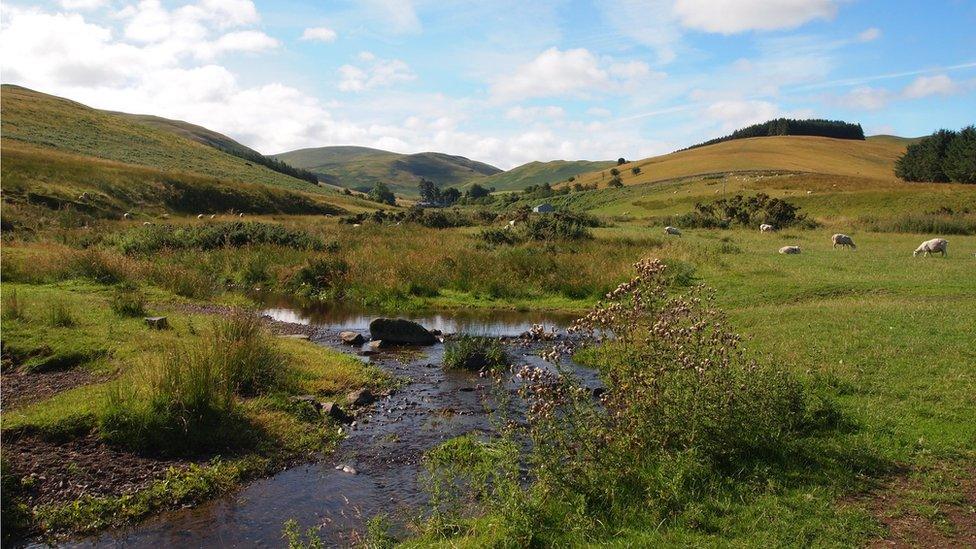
{"x": 63, "y": 471}
{"x": 949, "y": 524}
{"x": 21, "y": 388}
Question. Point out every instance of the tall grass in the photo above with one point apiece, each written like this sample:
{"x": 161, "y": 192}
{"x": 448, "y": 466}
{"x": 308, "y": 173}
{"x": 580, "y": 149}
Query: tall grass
{"x": 475, "y": 354}
{"x": 923, "y": 223}
{"x": 189, "y": 401}
{"x": 13, "y": 307}
{"x": 58, "y": 314}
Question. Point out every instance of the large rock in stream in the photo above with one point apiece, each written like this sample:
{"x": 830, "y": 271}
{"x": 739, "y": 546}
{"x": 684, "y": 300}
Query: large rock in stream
{"x": 399, "y": 331}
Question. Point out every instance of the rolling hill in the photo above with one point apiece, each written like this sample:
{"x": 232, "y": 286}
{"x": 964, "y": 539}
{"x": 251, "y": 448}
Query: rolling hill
{"x": 537, "y": 173}
{"x": 360, "y": 168}
{"x": 54, "y": 150}
{"x": 48, "y": 121}
{"x": 872, "y": 158}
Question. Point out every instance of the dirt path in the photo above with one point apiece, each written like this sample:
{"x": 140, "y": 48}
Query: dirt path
{"x": 21, "y": 388}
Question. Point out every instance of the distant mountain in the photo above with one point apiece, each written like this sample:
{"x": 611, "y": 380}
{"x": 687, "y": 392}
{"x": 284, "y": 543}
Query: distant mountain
{"x": 360, "y": 168}
{"x": 537, "y": 173}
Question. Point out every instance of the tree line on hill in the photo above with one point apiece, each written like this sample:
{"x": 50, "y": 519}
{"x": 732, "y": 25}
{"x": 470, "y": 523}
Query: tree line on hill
{"x": 942, "y": 157}
{"x": 838, "y": 129}
{"x": 272, "y": 164}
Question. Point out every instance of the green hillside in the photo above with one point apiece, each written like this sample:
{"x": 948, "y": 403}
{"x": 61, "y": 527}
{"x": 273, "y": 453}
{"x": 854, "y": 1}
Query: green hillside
{"x": 48, "y": 121}
{"x": 360, "y": 168}
{"x": 537, "y": 173}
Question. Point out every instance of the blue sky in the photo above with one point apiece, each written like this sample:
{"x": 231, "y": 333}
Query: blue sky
{"x": 502, "y": 82}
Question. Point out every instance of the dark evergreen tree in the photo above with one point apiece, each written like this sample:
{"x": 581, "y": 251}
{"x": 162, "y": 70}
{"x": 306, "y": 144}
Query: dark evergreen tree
{"x": 960, "y": 157}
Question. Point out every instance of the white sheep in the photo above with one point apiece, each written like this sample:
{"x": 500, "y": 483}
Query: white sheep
{"x": 146, "y": 223}
{"x": 511, "y": 223}
{"x": 127, "y": 215}
{"x": 165, "y": 216}
{"x": 213, "y": 216}
{"x": 843, "y": 240}
{"x": 672, "y": 230}
{"x": 766, "y": 227}
{"x": 199, "y": 216}
{"x": 240, "y": 214}
{"x": 933, "y": 246}
{"x": 789, "y": 250}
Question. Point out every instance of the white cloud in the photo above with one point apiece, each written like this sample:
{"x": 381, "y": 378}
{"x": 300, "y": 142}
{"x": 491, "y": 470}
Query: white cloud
{"x": 376, "y": 73}
{"x": 556, "y": 72}
{"x": 82, "y": 4}
{"x": 866, "y": 98}
{"x": 735, "y": 114}
{"x": 599, "y": 112}
{"x": 529, "y": 114}
{"x": 319, "y": 34}
{"x": 869, "y": 34}
{"x": 734, "y": 16}
{"x": 652, "y": 23}
{"x": 924, "y": 86}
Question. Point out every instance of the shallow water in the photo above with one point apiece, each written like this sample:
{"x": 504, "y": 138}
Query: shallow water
{"x": 385, "y": 448}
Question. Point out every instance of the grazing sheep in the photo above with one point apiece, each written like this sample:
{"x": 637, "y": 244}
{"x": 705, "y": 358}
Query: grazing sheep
{"x": 199, "y": 216}
{"x": 511, "y": 223}
{"x": 672, "y": 230}
{"x": 165, "y": 216}
{"x": 240, "y": 214}
{"x": 789, "y": 250}
{"x": 933, "y": 246}
{"x": 126, "y": 215}
{"x": 213, "y": 216}
{"x": 146, "y": 223}
{"x": 843, "y": 240}
{"x": 766, "y": 227}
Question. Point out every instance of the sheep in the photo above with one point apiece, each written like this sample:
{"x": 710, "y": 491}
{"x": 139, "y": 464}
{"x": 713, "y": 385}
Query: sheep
{"x": 511, "y": 223}
{"x": 146, "y": 223}
{"x": 213, "y": 216}
{"x": 766, "y": 227}
{"x": 199, "y": 216}
{"x": 789, "y": 250}
{"x": 672, "y": 230}
{"x": 930, "y": 247}
{"x": 843, "y": 240}
{"x": 127, "y": 215}
{"x": 165, "y": 216}
{"x": 240, "y": 214}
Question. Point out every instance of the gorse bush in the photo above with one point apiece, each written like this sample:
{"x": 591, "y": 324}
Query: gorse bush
{"x": 189, "y": 402}
{"x": 209, "y": 236}
{"x": 476, "y": 354}
{"x": 744, "y": 211}
{"x": 558, "y": 226}
{"x": 320, "y": 278}
{"x": 683, "y": 410}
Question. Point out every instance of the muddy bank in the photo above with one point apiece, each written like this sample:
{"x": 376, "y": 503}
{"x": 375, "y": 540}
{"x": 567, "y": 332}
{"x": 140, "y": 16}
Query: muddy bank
{"x": 22, "y": 388}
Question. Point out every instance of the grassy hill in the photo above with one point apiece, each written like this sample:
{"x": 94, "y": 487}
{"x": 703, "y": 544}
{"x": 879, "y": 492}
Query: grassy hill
{"x": 537, "y": 173}
{"x": 872, "y": 158}
{"x": 53, "y": 122}
{"x": 55, "y": 150}
{"x": 360, "y": 168}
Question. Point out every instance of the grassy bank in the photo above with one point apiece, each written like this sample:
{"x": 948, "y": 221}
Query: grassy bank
{"x": 203, "y": 405}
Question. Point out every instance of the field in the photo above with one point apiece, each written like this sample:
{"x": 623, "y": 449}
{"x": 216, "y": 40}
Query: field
{"x": 879, "y": 343}
{"x": 539, "y": 173}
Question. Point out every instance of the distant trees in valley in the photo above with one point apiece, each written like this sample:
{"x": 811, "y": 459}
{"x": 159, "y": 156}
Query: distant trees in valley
{"x": 382, "y": 194}
{"x": 837, "y": 129}
{"x": 942, "y": 157}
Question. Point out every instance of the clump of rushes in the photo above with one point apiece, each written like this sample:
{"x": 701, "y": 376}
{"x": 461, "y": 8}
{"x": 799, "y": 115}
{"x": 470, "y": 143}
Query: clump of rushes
{"x": 475, "y": 354}
{"x": 59, "y": 314}
{"x": 128, "y": 301}
{"x": 13, "y": 307}
{"x": 189, "y": 403}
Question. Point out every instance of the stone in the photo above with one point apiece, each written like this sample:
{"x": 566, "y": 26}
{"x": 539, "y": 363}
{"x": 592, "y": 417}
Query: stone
{"x": 333, "y": 410}
{"x": 157, "y": 322}
{"x": 362, "y": 397}
{"x": 377, "y": 344}
{"x": 347, "y": 469}
{"x": 399, "y": 331}
{"x": 352, "y": 338}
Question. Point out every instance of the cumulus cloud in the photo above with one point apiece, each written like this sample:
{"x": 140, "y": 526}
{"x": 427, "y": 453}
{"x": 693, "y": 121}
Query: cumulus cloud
{"x": 529, "y": 114}
{"x": 374, "y": 73}
{"x": 319, "y": 34}
{"x": 866, "y": 98}
{"x": 556, "y": 72}
{"x": 735, "y": 114}
{"x": 734, "y": 16}
{"x": 924, "y": 86}
{"x": 869, "y": 34}
{"x": 82, "y": 4}
{"x": 397, "y": 16}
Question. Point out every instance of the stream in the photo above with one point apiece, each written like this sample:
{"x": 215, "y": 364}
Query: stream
{"x": 385, "y": 446}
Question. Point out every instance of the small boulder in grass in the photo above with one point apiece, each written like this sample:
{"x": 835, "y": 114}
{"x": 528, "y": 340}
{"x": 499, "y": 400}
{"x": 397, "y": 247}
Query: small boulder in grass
{"x": 332, "y": 410}
{"x": 157, "y": 322}
{"x": 362, "y": 397}
{"x": 352, "y": 338}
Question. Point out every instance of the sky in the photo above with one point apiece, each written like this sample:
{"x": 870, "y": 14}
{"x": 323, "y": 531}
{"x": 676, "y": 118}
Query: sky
{"x": 503, "y": 82}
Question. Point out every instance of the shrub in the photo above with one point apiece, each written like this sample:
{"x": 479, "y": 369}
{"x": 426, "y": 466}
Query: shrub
{"x": 684, "y": 409}
{"x": 475, "y": 354}
{"x": 321, "y": 278}
{"x": 498, "y": 237}
{"x": 153, "y": 238}
{"x": 745, "y": 211}
{"x": 128, "y": 301}
{"x": 558, "y": 226}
